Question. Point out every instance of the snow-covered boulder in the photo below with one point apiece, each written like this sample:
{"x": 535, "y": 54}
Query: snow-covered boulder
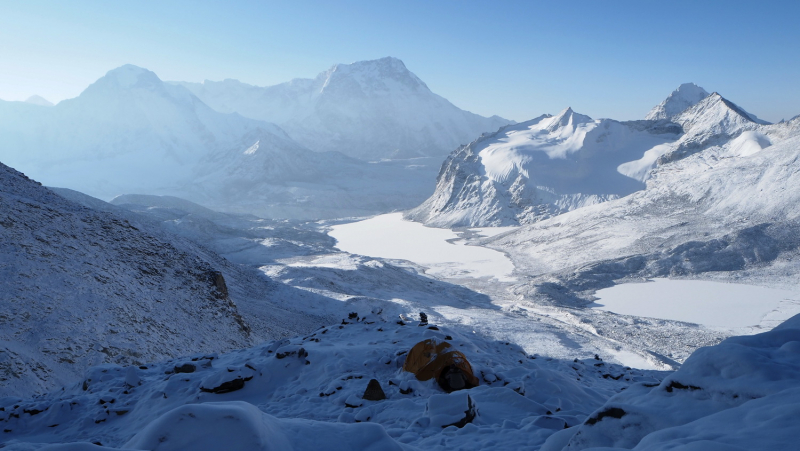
{"x": 240, "y": 425}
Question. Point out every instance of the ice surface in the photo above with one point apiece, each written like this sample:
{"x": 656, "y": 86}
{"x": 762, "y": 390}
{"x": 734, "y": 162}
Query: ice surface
{"x": 440, "y": 250}
{"x": 709, "y": 303}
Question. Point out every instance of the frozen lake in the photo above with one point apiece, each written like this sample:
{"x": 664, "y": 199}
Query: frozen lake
{"x": 714, "y": 304}
{"x": 440, "y": 250}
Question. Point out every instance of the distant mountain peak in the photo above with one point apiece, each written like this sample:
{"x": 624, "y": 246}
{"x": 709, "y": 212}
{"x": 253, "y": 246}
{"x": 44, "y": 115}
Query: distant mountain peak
{"x": 684, "y": 97}
{"x": 566, "y": 117}
{"x": 129, "y": 76}
{"x": 38, "y": 100}
{"x": 373, "y": 73}
{"x": 716, "y": 114}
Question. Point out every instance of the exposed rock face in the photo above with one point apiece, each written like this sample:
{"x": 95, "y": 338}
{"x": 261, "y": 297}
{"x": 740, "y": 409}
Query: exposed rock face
{"x": 218, "y": 283}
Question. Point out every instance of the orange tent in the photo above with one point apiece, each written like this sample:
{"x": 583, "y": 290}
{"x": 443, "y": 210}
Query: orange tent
{"x": 430, "y": 359}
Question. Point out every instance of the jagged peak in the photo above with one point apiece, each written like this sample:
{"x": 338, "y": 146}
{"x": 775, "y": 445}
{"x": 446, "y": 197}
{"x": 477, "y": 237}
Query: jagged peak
{"x": 566, "y": 117}
{"x": 682, "y": 98}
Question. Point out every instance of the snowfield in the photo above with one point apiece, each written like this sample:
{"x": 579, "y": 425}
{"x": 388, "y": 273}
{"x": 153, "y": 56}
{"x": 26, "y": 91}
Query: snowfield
{"x": 715, "y": 304}
{"x": 440, "y": 250}
{"x": 306, "y": 393}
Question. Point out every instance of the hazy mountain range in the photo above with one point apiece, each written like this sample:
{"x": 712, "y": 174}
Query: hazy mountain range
{"x": 129, "y": 132}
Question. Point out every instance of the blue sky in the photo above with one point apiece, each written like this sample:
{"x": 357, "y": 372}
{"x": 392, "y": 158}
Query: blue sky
{"x": 515, "y": 59}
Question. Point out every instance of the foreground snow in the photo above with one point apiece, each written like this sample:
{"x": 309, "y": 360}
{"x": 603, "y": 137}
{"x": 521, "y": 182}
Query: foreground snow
{"x": 306, "y": 393}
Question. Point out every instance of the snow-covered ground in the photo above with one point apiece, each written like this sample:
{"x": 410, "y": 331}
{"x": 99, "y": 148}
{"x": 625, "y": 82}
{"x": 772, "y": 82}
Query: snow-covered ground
{"x": 309, "y": 393}
{"x": 305, "y": 393}
{"x": 715, "y": 304}
{"x": 441, "y": 251}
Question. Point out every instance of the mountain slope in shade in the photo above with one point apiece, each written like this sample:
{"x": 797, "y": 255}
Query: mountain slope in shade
{"x": 538, "y": 169}
{"x": 309, "y": 393}
{"x": 81, "y": 287}
{"x": 740, "y": 394}
{"x": 369, "y": 110}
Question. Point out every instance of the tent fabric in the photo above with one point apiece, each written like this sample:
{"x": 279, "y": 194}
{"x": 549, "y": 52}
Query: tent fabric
{"x": 429, "y": 359}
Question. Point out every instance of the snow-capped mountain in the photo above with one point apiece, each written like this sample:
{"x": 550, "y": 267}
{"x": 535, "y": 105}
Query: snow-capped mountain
{"x": 726, "y": 210}
{"x": 127, "y": 132}
{"x": 540, "y": 168}
{"x": 82, "y": 286}
{"x": 310, "y": 393}
{"x": 131, "y": 133}
{"x": 38, "y": 100}
{"x": 687, "y": 95}
{"x": 550, "y": 165}
{"x": 369, "y": 110}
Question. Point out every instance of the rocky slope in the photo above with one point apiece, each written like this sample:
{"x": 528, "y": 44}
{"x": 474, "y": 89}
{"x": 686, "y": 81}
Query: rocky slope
{"x": 311, "y": 393}
{"x": 81, "y": 287}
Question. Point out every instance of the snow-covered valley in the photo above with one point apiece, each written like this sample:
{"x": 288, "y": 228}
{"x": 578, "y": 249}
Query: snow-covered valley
{"x": 640, "y": 293}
